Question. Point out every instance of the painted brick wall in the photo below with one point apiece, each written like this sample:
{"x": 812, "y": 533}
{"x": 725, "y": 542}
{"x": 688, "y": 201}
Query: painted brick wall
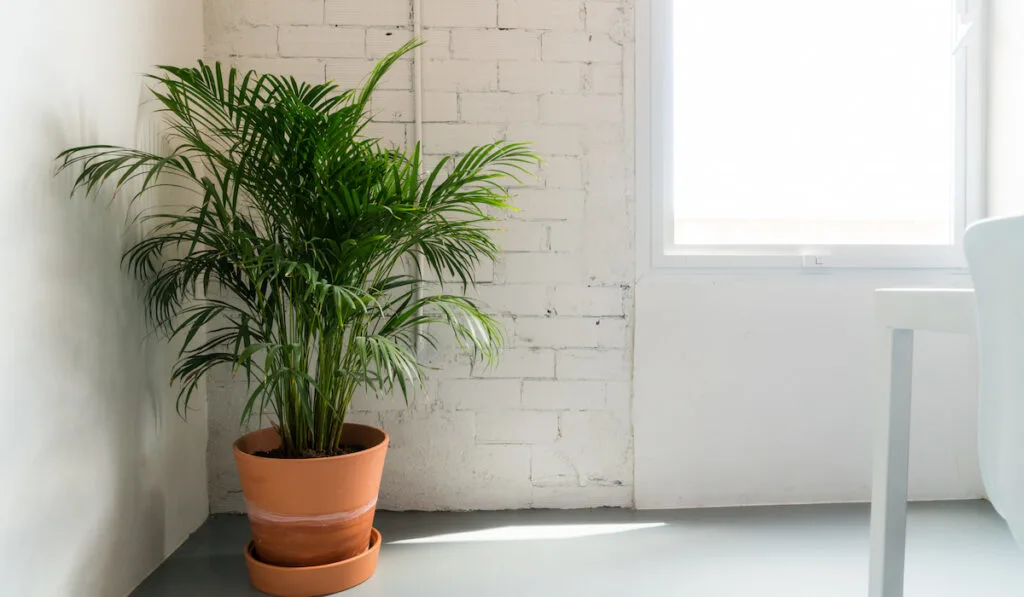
{"x": 550, "y": 426}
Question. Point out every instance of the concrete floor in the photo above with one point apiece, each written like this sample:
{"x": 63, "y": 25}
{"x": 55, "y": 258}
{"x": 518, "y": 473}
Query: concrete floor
{"x": 959, "y": 549}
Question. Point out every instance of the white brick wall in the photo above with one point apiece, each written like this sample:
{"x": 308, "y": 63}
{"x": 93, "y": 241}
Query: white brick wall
{"x": 460, "y": 75}
{"x": 481, "y": 394}
{"x": 550, "y": 425}
{"x": 541, "y": 77}
{"x": 570, "y": 332}
{"x": 499, "y": 107}
{"x": 593, "y": 364}
{"x": 587, "y": 300}
{"x": 278, "y": 12}
{"x": 377, "y": 12}
{"x": 559, "y": 15}
{"x": 581, "y": 46}
{"x": 320, "y": 41}
{"x": 549, "y": 204}
{"x": 531, "y": 427}
{"x": 564, "y": 395}
{"x": 495, "y": 44}
{"x": 460, "y": 13}
{"x": 543, "y": 268}
{"x": 580, "y": 109}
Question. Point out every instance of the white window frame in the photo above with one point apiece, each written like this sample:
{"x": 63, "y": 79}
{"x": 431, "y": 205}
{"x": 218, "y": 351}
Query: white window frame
{"x": 654, "y": 91}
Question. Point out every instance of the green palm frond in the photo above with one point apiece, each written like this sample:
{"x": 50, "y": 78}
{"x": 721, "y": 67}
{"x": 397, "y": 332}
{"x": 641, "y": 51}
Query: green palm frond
{"x": 293, "y": 264}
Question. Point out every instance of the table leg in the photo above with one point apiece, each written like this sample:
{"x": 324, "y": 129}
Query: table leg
{"x": 891, "y": 459}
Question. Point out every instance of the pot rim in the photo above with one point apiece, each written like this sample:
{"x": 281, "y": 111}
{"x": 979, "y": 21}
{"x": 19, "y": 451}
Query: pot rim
{"x": 378, "y": 446}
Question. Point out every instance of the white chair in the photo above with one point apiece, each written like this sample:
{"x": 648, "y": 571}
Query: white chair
{"x": 995, "y": 253}
{"x": 995, "y": 309}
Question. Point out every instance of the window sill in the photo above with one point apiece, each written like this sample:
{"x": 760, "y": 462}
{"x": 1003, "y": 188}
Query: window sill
{"x": 948, "y": 261}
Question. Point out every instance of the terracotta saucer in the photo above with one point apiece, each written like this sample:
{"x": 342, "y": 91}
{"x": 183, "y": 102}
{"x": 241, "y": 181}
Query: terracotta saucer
{"x": 313, "y": 581}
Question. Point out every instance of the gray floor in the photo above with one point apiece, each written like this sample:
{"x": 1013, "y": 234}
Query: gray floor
{"x": 957, "y": 549}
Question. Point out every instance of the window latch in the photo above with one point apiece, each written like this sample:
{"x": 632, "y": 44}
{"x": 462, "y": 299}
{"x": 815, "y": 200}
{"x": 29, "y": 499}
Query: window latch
{"x": 963, "y": 33}
{"x": 813, "y": 260}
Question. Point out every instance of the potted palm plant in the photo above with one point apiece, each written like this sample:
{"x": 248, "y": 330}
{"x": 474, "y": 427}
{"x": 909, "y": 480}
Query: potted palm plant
{"x": 303, "y": 265}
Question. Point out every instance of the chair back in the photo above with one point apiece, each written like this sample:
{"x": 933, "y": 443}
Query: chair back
{"x": 995, "y": 253}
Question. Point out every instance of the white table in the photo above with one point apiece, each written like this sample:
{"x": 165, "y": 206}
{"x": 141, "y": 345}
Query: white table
{"x": 901, "y": 312}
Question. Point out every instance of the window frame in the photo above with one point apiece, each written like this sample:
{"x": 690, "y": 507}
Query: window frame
{"x": 654, "y": 91}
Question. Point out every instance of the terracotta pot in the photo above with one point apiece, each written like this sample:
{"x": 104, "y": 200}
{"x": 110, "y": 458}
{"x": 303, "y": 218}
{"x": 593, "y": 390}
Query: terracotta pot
{"x": 315, "y": 511}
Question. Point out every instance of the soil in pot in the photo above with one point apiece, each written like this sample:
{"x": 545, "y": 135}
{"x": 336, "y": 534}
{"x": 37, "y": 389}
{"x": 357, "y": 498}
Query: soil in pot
{"x": 280, "y": 453}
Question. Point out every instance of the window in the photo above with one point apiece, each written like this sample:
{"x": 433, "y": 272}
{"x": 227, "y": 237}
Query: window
{"x": 814, "y": 134}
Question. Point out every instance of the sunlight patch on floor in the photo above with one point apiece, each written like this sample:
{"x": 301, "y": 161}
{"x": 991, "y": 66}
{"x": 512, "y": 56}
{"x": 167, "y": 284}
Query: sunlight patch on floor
{"x": 532, "y": 533}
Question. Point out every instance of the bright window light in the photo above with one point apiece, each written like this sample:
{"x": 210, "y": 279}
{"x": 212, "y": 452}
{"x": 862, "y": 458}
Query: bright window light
{"x": 811, "y": 122}
{"x": 533, "y": 533}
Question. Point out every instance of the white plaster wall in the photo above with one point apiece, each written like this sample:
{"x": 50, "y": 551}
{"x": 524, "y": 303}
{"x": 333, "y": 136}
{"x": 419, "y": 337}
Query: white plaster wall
{"x": 759, "y": 389}
{"x": 101, "y": 480}
{"x": 551, "y": 426}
